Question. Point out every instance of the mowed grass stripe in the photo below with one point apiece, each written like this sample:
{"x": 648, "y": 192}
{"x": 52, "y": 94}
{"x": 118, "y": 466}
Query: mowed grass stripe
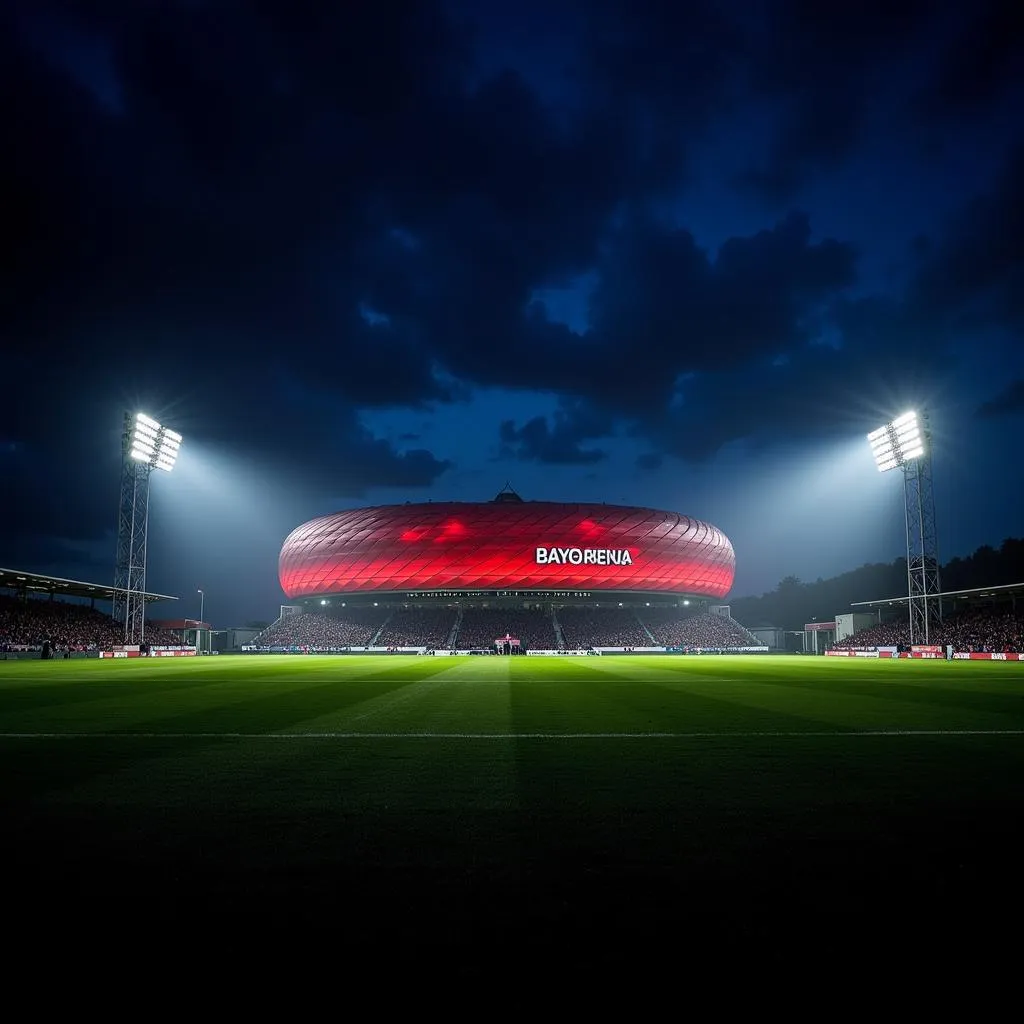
{"x": 738, "y": 706}
{"x": 863, "y": 695}
{"x": 862, "y": 708}
{"x": 612, "y": 695}
{"x": 249, "y": 774}
{"x": 38, "y": 691}
{"x": 935, "y": 699}
{"x": 522, "y": 696}
{"x": 258, "y": 702}
{"x": 626, "y": 694}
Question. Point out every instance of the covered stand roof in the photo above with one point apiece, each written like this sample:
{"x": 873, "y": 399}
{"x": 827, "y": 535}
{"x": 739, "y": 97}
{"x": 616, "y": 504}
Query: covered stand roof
{"x": 36, "y": 583}
{"x": 1004, "y": 590}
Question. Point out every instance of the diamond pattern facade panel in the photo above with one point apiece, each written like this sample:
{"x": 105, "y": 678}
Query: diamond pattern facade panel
{"x": 531, "y": 545}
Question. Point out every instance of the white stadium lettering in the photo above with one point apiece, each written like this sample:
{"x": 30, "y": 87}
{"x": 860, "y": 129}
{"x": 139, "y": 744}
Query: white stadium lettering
{"x": 583, "y": 556}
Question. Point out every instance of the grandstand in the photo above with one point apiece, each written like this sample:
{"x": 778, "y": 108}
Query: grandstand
{"x": 585, "y": 627}
{"x": 418, "y": 627}
{"x": 468, "y": 626}
{"x": 700, "y": 630}
{"x": 325, "y": 629}
{"x": 28, "y": 624}
{"x": 977, "y": 630}
{"x": 38, "y": 610}
{"x": 480, "y": 627}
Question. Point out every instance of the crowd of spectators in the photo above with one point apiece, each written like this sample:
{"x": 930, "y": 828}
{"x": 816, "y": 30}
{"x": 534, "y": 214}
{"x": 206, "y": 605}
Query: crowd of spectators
{"x": 978, "y": 630}
{"x": 671, "y": 628}
{"x": 352, "y": 627}
{"x": 432, "y": 627}
{"x": 480, "y": 627}
{"x": 882, "y": 634}
{"x": 65, "y": 626}
{"x": 583, "y": 628}
{"x": 418, "y": 627}
{"x": 991, "y": 631}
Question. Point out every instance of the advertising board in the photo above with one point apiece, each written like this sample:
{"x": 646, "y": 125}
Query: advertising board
{"x": 988, "y": 656}
{"x": 560, "y": 654}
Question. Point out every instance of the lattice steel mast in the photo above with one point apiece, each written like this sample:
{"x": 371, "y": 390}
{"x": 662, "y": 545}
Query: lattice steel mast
{"x": 905, "y": 443}
{"x": 145, "y": 446}
{"x": 923, "y": 584}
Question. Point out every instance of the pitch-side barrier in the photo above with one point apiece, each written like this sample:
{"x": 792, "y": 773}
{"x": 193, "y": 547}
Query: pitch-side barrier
{"x": 926, "y": 653}
{"x": 135, "y": 651}
{"x": 537, "y": 652}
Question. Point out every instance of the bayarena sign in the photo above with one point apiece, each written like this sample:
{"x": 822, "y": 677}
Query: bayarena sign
{"x": 583, "y": 556}
{"x": 505, "y": 545}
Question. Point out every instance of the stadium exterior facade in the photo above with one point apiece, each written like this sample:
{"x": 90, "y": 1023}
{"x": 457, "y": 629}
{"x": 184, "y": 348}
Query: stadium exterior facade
{"x": 506, "y": 549}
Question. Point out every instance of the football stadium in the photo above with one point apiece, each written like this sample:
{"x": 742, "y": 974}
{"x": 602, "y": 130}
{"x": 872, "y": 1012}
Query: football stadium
{"x": 685, "y": 788}
{"x": 505, "y": 576}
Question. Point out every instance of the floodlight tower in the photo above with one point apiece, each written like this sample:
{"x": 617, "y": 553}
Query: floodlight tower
{"x": 905, "y": 443}
{"x": 145, "y": 446}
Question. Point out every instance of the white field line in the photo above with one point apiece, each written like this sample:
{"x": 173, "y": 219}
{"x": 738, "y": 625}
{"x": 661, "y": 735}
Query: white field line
{"x": 796, "y": 734}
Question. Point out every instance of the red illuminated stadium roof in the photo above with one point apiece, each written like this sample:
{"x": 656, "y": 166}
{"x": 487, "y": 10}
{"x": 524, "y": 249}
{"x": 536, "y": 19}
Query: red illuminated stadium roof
{"x": 506, "y": 545}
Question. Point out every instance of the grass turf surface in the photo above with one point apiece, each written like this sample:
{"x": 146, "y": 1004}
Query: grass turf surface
{"x": 608, "y": 806}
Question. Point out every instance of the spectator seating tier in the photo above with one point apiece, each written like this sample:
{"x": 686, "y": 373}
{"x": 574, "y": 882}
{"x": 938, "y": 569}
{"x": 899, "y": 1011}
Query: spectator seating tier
{"x": 480, "y": 627}
{"x": 67, "y": 626}
{"x": 671, "y": 628}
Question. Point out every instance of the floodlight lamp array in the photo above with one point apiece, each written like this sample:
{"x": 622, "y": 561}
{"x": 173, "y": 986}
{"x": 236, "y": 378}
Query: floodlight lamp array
{"x": 153, "y": 443}
{"x": 897, "y": 442}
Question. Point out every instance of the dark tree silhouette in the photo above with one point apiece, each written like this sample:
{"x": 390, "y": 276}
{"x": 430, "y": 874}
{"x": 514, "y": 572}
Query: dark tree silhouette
{"x": 793, "y": 603}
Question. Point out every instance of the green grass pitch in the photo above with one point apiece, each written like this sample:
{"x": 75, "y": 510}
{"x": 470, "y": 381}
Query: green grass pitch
{"x": 456, "y": 804}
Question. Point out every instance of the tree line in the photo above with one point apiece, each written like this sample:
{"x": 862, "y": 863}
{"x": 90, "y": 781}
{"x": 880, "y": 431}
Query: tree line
{"x": 794, "y": 602}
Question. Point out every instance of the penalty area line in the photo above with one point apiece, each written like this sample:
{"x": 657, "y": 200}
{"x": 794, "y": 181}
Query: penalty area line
{"x": 739, "y": 735}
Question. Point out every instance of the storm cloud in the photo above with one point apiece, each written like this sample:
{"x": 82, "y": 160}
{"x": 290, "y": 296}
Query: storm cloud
{"x": 278, "y": 225}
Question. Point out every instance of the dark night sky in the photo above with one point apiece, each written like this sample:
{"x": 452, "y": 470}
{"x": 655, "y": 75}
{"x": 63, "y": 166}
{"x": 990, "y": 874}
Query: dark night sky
{"x": 678, "y": 255}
